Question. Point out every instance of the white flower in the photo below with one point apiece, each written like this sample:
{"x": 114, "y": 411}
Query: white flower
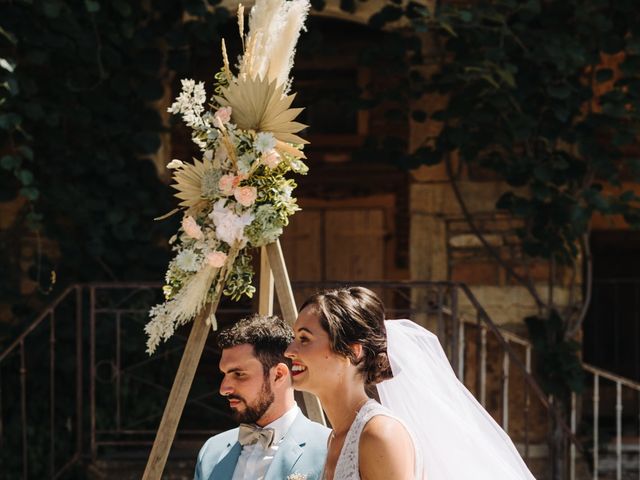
{"x": 199, "y": 93}
{"x": 200, "y": 143}
{"x": 190, "y": 103}
{"x": 188, "y": 261}
{"x": 229, "y": 226}
{"x": 297, "y": 476}
{"x": 160, "y": 327}
{"x": 265, "y": 142}
{"x": 175, "y": 163}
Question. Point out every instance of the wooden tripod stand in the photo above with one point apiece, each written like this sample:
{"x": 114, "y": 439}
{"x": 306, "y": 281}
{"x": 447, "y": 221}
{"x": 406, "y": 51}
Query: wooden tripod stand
{"x": 273, "y": 271}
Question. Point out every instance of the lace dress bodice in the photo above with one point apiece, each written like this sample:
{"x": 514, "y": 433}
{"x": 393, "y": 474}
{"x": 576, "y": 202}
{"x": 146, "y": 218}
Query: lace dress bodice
{"x": 347, "y": 467}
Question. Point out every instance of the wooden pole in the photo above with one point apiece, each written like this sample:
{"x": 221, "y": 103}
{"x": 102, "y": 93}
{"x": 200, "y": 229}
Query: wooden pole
{"x": 273, "y": 271}
{"x": 290, "y": 313}
{"x": 265, "y": 305}
{"x": 178, "y": 396}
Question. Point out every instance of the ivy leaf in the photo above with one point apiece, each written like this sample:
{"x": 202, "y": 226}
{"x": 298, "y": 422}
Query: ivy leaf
{"x": 388, "y": 14}
{"x": 560, "y": 91}
{"x": 52, "y": 8}
{"x": 466, "y": 16}
{"x": 9, "y": 121}
{"x": 123, "y": 8}
{"x": 604, "y": 75}
{"x": 26, "y": 152}
{"x": 318, "y": 5}
{"x": 10, "y": 162}
{"x": 348, "y": 6}
{"x": 419, "y": 116}
{"x": 12, "y": 86}
{"x": 543, "y": 173}
{"x": 195, "y": 7}
{"x": 30, "y": 193}
{"x": 25, "y": 177}
{"x": 92, "y": 6}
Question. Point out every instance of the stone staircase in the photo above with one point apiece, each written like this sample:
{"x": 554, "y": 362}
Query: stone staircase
{"x": 130, "y": 465}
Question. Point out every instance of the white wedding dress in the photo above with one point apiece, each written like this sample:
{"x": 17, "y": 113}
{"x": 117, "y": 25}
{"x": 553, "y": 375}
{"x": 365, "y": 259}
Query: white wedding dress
{"x": 347, "y": 467}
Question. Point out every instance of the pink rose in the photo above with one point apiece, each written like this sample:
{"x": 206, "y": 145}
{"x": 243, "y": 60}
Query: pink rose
{"x": 216, "y": 259}
{"x": 271, "y": 159}
{"x": 227, "y": 183}
{"x": 246, "y": 195}
{"x": 222, "y": 116}
{"x": 191, "y": 228}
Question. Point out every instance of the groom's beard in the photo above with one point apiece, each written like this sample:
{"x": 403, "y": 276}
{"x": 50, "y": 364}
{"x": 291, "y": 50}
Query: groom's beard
{"x": 254, "y": 412}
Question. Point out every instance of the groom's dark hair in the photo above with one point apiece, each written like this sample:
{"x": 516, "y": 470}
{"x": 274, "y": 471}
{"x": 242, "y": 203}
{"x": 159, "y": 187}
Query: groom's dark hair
{"x": 268, "y": 334}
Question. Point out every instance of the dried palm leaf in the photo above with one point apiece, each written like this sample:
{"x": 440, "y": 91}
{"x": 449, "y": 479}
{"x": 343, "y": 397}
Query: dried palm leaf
{"x": 260, "y": 105}
{"x": 188, "y": 182}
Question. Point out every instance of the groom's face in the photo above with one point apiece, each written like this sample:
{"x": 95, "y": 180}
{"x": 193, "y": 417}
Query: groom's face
{"x": 245, "y": 384}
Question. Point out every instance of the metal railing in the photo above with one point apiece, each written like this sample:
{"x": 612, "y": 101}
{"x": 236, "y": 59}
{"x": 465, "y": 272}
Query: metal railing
{"x": 92, "y": 336}
{"x": 624, "y": 389}
{"x": 44, "y": 437}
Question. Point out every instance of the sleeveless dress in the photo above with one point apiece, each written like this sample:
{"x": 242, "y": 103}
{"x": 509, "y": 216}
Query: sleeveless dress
{"x": 347, "y": 467}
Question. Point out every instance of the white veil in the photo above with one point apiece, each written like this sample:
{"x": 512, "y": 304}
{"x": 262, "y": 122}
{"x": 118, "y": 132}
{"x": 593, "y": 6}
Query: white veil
{"x": 455, "y": 437}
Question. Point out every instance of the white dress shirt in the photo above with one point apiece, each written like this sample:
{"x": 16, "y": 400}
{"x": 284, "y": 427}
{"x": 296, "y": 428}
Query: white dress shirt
{"x": 254, "y": 459}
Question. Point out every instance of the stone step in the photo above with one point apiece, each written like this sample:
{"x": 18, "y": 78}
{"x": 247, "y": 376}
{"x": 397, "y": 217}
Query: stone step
{"x": 630, "y": 458}
{"x": 133, "y": 470}
{"x": 130, "y": 464}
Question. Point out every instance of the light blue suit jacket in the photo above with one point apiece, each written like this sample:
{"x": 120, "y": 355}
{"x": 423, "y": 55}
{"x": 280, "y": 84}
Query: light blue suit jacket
{"x": 303, "y": 450}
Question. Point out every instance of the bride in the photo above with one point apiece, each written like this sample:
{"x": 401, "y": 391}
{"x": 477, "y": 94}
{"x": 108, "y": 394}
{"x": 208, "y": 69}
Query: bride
{"x": 428, "y": 427}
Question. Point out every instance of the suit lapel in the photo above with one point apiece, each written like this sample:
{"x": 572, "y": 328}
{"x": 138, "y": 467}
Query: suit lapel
{"x": 225, "y": 467}
{"x": 289, "y": 452}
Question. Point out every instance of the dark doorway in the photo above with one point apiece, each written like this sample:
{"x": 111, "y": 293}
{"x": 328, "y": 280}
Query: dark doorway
{"x": 612, "y": 326}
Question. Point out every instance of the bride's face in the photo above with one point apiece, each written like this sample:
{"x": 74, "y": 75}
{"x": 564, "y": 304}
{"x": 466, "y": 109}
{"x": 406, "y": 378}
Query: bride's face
{"x": 316, "y": 368}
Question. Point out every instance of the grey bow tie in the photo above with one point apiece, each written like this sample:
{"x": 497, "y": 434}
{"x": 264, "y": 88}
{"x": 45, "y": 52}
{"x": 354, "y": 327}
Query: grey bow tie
{"x": 250, "y": 434}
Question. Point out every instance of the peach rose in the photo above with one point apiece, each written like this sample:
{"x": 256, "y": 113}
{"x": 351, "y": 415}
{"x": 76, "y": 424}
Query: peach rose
{"x": 271, "y": 159}
{"x": 222, "y": 116}
{"x": 246, "y": 195}
{"x": 216, "y": 259}
{"x": 191, "y": 227}
{"x": 227, "y": 183}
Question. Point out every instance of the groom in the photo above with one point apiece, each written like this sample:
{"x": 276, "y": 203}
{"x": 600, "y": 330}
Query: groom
{"x": 275, "y": 440}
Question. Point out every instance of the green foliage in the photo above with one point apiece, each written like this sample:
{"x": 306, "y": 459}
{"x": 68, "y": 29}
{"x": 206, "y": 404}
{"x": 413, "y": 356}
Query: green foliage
{"x": 520, "y": 76}
{"x": 557, "y": 362}
{"x": 77, "y": 123}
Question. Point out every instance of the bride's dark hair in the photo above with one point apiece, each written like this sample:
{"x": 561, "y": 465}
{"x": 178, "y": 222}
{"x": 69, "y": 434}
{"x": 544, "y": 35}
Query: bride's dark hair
{"x": 355, "y": 315}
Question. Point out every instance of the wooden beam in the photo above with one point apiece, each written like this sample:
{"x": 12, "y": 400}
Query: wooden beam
{"x": 265, "y": 290}
{"x": 290, "y": 313}
{"x": 179, "y": 392}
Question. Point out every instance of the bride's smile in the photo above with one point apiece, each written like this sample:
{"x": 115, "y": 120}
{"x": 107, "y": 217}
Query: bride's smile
{"x": 315, "y": 367}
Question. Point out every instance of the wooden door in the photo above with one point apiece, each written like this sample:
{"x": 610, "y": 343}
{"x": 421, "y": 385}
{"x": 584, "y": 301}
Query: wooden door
{"x": 334, "y": 244}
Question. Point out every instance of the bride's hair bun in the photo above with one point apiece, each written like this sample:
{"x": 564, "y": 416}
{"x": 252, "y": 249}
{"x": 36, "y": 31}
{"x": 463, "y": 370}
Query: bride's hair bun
{"x": 355, "y": 315}
{"x": 381, "y": 371}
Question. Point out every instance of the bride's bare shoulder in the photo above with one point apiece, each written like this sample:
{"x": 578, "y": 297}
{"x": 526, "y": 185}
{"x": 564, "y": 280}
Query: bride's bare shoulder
{"x": 386, "y": 450}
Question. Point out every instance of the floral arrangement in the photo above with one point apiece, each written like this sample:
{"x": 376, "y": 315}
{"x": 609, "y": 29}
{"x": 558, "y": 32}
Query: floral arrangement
{"x": 236, "y": 196}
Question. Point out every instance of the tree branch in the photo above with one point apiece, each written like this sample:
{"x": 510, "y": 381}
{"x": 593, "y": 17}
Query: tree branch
{"x": 492, "y": 251}
{"x": 588, "y": 292}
